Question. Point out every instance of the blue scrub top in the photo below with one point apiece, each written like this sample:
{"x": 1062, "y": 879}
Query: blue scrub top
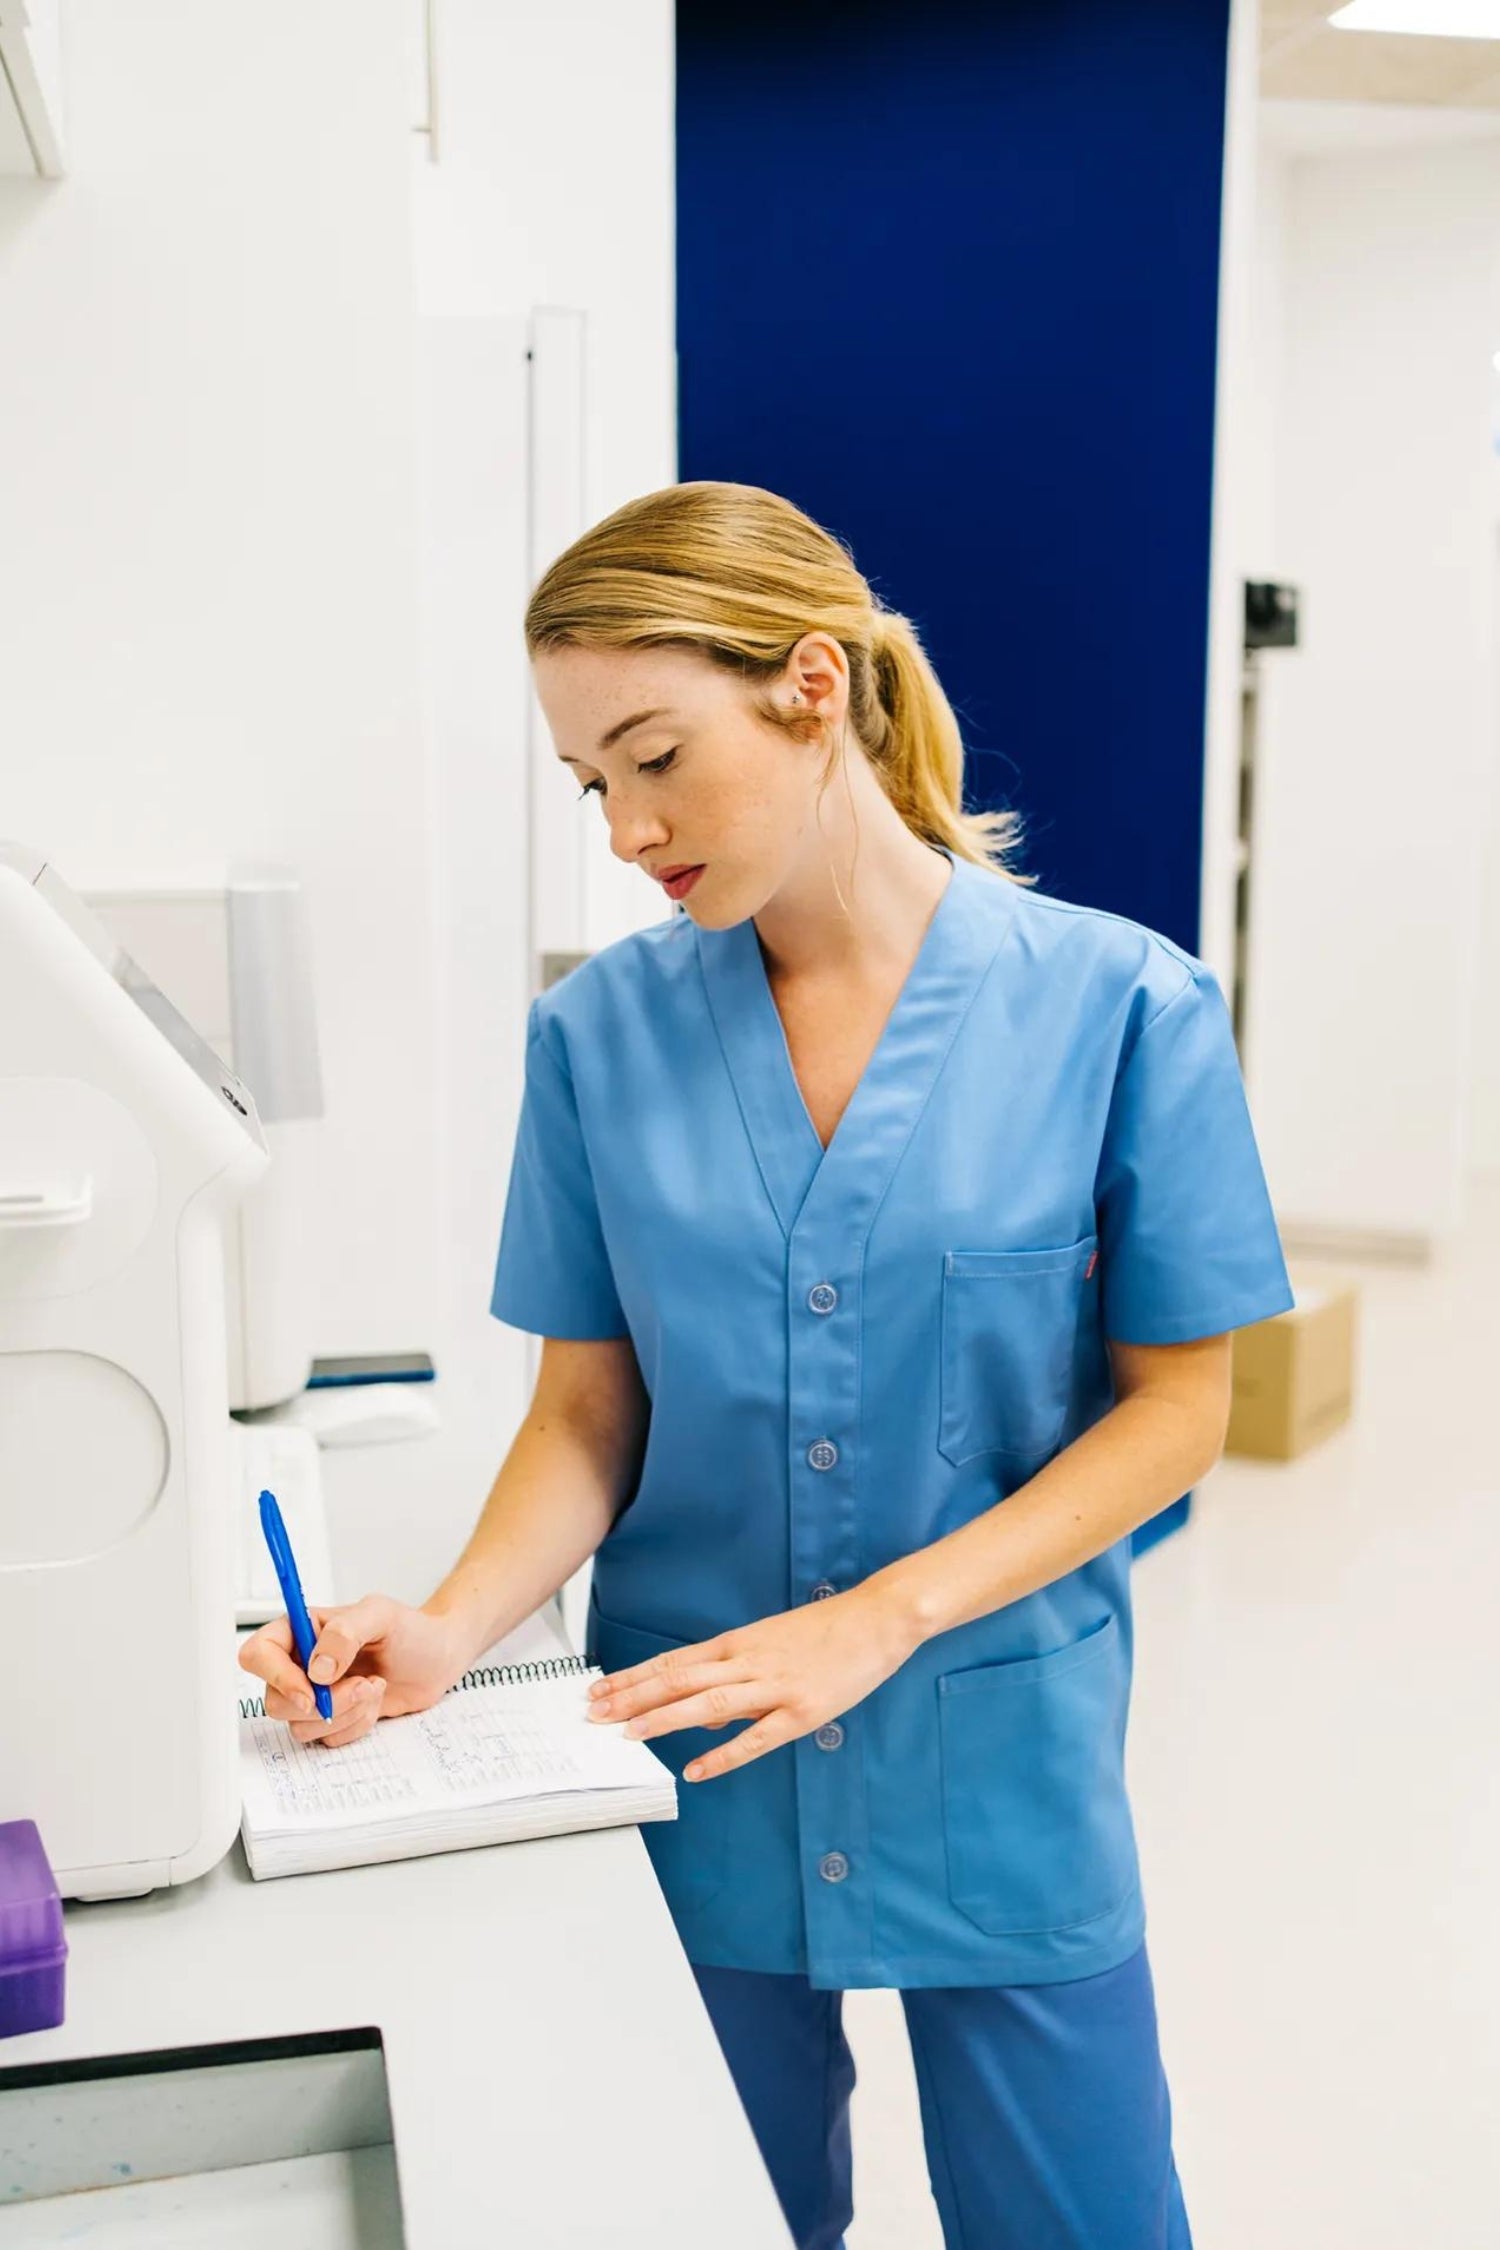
{"x": 850, "y": 1354}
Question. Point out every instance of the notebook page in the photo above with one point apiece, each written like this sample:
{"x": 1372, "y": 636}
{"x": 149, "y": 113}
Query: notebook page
{"x": 481, "y": 1747}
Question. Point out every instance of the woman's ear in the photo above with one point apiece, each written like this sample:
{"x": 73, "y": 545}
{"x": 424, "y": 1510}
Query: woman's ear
{"x": 817, "y": 678}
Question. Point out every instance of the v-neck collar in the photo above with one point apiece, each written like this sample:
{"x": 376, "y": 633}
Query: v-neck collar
{"x": 802, "y": 1178}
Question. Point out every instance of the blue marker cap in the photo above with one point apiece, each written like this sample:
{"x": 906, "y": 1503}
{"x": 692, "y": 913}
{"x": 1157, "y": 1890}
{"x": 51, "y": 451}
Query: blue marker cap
{"x": 291, "y": 1593}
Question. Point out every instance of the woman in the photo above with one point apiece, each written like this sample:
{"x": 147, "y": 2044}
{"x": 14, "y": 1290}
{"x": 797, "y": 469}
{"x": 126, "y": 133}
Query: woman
{"x": 885, "y": 1223}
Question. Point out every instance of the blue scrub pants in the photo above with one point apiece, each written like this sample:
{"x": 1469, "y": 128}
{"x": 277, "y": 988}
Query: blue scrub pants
{"x": 1044, "y": 2107}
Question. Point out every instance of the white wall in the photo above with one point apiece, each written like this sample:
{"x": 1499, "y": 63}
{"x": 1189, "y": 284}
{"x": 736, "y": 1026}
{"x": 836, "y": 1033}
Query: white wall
{"x": 263, "y": 516}
{"x": 1484, "y": 1137}
{"x": 554, "y": 187}
{"x": 1265, "y": 373}
{"x": 1234, "y": 489}
{"x": 207, "y": 535}
{"x": 1377, "y": 734}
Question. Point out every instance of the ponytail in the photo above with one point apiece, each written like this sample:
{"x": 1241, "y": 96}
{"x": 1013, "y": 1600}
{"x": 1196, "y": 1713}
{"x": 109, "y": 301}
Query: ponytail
{"x": 913, "y": 742}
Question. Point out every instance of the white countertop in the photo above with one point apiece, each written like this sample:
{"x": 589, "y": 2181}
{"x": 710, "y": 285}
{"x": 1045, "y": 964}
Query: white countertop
{"x": 554, "y": 2079}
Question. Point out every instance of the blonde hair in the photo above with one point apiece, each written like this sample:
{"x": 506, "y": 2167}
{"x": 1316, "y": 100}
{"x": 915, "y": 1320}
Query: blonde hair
{"x": 741, "y": 575}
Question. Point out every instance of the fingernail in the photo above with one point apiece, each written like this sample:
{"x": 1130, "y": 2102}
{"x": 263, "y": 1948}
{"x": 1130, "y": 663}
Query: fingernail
{"x": 633, "y": 1729}
{"x": 321, "y": 1668}
{"x": 602, "y": 1704}
{"x": 305, "y": 1704}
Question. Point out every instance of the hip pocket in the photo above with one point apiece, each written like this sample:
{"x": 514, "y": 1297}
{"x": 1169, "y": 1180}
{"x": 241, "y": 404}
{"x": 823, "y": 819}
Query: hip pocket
{"x": 1009, "y": 1345}
{"x": 1035, "y": 1816}
{"x": 691, "y": 1853}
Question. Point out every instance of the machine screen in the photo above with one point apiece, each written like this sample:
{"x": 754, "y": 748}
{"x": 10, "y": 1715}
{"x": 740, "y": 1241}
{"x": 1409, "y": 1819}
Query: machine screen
{"x": 148, "y": 997}
{"x": 174, "y": 1026}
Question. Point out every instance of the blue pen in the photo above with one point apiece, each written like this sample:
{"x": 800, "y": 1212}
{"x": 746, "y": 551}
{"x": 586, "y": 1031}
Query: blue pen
{"x": 291, "y": 1593}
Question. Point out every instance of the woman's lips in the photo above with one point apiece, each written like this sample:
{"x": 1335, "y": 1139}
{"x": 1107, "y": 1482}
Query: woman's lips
{"x": 677, "y": 886}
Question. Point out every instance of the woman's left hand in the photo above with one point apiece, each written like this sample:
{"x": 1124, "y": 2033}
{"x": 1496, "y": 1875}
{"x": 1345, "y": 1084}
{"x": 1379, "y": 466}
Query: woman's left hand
{"x": 789, "y": 1673}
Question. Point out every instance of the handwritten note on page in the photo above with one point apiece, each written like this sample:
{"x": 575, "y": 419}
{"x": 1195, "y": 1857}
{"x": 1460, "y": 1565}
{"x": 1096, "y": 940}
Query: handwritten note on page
{"x": 479, "y": 1747}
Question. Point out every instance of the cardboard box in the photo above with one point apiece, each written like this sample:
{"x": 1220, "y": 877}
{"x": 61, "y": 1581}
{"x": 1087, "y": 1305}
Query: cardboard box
{"x": 1294, "y": 1374}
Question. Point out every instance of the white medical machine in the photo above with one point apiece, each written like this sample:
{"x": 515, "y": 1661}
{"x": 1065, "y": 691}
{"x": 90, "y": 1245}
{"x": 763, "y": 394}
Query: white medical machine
{"x": 125, "y": 1146}
{"x": 233, "y": 951}
{"x": 232, "y": 947}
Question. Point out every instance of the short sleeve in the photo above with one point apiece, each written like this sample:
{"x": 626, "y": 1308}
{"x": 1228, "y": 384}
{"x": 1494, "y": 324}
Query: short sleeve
{"x": 552, "y": 1276}
{"x": 1187, "y": 1238}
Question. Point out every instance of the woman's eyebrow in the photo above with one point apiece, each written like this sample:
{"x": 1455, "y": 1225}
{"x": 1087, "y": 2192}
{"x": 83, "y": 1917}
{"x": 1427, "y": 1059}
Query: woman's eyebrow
{"x": 608, "y": 741}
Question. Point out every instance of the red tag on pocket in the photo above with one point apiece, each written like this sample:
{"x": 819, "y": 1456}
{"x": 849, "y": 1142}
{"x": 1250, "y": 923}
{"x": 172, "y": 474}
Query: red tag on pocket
{"x": 1088, "y": 1271}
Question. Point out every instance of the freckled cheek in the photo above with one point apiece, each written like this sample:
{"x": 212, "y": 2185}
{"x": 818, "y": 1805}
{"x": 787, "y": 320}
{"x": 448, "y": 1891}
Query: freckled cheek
{"x": 711, "y": 818}
{"x": 734, "y": 811}
{"x": 750, "y": 807}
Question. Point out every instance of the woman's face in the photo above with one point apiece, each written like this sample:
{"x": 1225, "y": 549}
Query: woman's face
{"x": 699, "y": 792}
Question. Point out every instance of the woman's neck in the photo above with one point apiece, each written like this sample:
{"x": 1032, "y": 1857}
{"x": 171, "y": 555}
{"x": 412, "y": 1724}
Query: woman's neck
{"x": 859, "y": 907}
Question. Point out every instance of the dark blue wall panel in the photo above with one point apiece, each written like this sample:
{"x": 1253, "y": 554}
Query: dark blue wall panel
{"x": 947, "y": 277}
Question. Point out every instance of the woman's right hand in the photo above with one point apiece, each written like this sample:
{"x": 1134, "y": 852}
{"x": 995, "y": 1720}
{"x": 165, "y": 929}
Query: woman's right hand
{"x": 379, "y": 1657}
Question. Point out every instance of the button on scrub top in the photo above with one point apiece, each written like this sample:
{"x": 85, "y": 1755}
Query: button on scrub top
{"x": 849, "y": 1354}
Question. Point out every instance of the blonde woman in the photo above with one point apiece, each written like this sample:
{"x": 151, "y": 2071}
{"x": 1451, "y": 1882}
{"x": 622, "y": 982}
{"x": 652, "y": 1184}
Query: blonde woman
{"x": 886, "y": 1223}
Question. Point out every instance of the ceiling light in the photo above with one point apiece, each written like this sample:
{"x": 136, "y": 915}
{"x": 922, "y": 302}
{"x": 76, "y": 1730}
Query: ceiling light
{"x": 1437, "y": 19}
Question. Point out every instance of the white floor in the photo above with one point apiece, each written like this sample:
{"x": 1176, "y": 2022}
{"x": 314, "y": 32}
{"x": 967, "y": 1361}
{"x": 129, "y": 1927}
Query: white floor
{"x": 1314, "y": 1752}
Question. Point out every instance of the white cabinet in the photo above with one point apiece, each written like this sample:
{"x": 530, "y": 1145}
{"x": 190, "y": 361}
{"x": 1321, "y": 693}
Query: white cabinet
{"x": 30, "y": 90}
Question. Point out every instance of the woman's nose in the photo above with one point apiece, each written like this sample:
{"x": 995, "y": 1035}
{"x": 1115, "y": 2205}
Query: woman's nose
{"x": 632, "y": 832}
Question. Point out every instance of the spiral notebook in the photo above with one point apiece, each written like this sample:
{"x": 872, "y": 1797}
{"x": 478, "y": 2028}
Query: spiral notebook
{"x": 507, "y": 1753}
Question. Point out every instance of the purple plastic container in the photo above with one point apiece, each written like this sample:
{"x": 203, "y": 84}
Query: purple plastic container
{"x": 33, "y": 1948}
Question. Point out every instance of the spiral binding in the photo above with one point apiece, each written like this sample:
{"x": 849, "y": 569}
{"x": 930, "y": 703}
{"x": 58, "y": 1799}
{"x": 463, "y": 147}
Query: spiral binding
{"x": 519, "y": 1675}
{"x": 482, "y": 1675}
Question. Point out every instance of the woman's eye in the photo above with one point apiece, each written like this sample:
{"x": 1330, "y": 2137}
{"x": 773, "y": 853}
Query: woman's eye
{"x": 654, "y": 765}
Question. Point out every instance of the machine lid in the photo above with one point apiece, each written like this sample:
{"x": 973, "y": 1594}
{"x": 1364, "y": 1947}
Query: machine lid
{"x": 230, "y": 1091}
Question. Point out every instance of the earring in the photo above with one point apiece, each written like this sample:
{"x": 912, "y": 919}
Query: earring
{"x": 796, "y": 699}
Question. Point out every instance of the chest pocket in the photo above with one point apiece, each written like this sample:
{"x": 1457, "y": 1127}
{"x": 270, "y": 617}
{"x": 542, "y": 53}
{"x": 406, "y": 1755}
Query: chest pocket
{"x": 1010, "y": 1341}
